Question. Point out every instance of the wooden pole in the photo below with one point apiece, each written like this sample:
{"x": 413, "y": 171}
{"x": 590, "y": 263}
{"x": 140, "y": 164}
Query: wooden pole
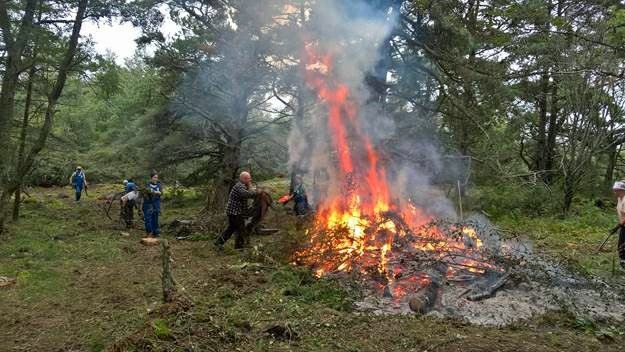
{"x": 169, "y": 284}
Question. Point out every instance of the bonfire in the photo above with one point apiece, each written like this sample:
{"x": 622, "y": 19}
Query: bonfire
{"x": 364, "y": 231}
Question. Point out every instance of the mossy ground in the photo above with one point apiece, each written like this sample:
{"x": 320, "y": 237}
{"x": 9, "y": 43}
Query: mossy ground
{"x": 82, "y": 286}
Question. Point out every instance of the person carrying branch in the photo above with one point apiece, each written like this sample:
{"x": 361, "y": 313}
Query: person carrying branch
{"x": 619, "y": 190}
{"x": 236, "y": 210}
{"x": 79, "y": 181}
{"x": 152, "y": 205}
{"x": 130, "y": 193}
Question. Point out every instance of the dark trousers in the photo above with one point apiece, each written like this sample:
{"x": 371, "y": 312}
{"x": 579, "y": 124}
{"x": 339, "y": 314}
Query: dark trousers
{"x": 621, "y": 244}
{"x": 78, "y": 192}
{"x": 128, "y": 213}
{"x": 236, "y": 226}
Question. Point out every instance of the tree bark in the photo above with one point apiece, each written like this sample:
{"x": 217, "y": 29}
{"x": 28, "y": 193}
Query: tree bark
{"x": 541, "y": 135}
{"x": 22, "y": 146}
{"x": 569, "y": 193}
{"x": 11, "y": 186}
{"x": 227, "y": 177}
{"x": 15, "y": 46}
{"x": 552, "y": 133}
{"x": 168, "y": 281}
{"x": 231, "y": 151}
{"x": 608, "y": 179}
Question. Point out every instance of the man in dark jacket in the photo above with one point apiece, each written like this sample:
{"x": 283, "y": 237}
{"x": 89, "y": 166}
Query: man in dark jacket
{"x": 236, "y": 209}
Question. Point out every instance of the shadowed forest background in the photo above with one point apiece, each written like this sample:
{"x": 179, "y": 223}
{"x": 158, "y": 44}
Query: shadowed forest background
{"x": 526, "y": 98}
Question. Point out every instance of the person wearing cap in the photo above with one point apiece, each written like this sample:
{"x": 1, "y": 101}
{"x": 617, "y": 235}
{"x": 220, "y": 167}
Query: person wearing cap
{"x": 79, "y": 181}
{"x": 131, "y": 192}
{"x": 619, "y": 191}
{"x": 152, "y": 205}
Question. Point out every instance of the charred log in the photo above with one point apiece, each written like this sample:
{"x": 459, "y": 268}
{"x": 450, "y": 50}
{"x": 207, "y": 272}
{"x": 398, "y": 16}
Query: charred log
{"x": 425, "y": 299}
{"x": 489, "y": 291}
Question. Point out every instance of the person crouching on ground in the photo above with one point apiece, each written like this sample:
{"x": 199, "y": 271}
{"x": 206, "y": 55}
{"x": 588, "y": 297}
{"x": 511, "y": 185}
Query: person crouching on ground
{"x": 619, "y": 190}
{"x": 152, "y": 206}
{"x": 236, "y": 209}
{"x": 79, "y": 181}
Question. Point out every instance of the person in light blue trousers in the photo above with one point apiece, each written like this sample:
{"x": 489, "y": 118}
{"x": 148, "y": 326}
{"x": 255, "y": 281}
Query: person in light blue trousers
{"x": 79, "y": 181}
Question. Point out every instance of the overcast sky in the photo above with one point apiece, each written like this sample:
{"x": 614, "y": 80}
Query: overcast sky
{"x": 120, "y": 38}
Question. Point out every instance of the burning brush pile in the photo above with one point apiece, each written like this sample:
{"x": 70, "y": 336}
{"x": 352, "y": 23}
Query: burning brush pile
{"x": 363, "y": 231}
{"x": 407, "y": 258}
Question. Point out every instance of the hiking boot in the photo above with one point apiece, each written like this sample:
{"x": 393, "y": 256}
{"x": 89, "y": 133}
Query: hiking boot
{"x": 218, "y": 246}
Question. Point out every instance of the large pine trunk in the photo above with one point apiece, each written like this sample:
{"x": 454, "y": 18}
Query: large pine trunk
{"x": 226, "y": 179}
{"x": 22, "y": 146}
{"x": 231, "y": 153}
{"x": 14, "y": 46}
{"x": 609, "y": 170}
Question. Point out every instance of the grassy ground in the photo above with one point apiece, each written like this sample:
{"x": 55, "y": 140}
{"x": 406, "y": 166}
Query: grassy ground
{"x": 574, "y": 239}
{"x": 83, "y": 286}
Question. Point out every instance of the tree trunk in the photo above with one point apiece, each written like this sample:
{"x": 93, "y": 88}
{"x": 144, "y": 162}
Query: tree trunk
{"x": 297, "y": 167}
{"x": 552, "y": 133}
{"x": 14, "y": 49}
{"x": 53, "y": 98}
{"x": 541, "y": 135}
{"x": 608, "y": 179}
{"x": 569, "y": 193}
{"x": 226, "y": 178}
{"x": 22, "y": 146}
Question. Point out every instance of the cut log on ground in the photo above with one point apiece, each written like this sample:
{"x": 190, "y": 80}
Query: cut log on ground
{"x": 6, "y": 281}
{"x": 424, "y": 300}
{"x": 150, "y": 241}
{"x": 263, "y": 231}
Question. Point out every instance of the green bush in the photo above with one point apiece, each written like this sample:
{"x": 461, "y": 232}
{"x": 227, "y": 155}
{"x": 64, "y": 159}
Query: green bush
{"x": 510, "y": 199}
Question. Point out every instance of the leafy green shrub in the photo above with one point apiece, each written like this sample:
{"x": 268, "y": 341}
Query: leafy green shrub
{"x": 510, "y": 199}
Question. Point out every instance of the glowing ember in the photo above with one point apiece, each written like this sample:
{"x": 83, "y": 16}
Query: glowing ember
{"x": 361, "y": 231}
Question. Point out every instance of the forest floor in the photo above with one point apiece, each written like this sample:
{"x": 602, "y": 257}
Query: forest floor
{"x": 82, "y": 285}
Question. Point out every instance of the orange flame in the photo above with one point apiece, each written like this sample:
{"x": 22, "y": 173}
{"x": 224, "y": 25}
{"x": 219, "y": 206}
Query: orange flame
{"x": 351, "y": 229}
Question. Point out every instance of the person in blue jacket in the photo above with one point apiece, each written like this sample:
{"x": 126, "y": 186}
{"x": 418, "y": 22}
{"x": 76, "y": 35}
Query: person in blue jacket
{"x": 152, "y": 205}
{"x": 299, "y": 197}
{"x": 130, "y": 194}
{"x": 79, "y": 181}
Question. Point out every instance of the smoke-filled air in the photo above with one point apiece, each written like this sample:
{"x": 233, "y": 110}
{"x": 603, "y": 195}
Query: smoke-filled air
{"x": 312, "y": 175}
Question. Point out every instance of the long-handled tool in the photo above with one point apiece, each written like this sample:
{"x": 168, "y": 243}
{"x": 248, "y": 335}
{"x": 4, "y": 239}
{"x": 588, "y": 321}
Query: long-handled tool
{"x": 612, "y": 232}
